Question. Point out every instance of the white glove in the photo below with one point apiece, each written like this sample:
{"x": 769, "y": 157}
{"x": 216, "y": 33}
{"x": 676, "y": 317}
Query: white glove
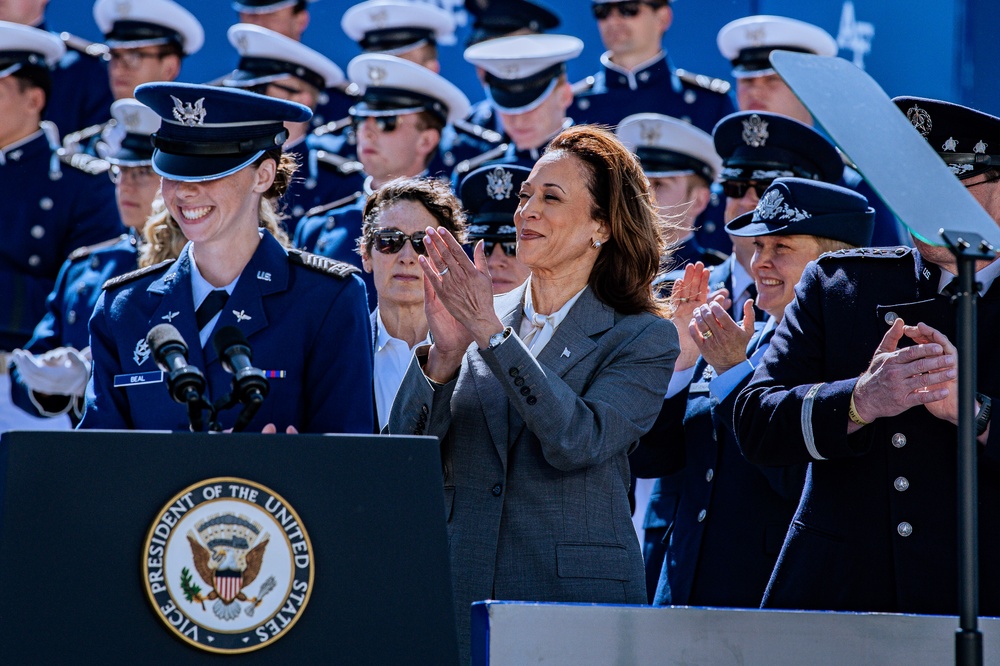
{"x": 62, "y": 371}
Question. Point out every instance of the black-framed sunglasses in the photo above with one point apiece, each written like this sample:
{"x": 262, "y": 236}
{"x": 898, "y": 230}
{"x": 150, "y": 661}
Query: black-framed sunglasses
{"x": 391, "y": 241}
{"x": 627, "y": 9}
{"x": 736, "y": 189}
{"x": 384, "y": 123}
{"x": 509, "y": 247}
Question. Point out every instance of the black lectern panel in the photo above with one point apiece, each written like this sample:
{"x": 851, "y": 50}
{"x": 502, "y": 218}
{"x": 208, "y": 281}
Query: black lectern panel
{"x": 77, "y": 509}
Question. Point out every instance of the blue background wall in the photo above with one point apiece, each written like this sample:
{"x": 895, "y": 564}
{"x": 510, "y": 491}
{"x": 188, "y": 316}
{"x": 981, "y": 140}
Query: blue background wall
{"x": 933, "y": 48}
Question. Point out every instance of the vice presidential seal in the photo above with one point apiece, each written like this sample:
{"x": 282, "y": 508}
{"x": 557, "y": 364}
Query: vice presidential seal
{"x": 228, "y": 565}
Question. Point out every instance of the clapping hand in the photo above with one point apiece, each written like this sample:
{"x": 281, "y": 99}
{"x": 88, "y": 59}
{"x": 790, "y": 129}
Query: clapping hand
{"x": 721, "y": 340}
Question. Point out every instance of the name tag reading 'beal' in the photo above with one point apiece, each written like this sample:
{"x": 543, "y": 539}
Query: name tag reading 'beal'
{"x": 136, "y": 378}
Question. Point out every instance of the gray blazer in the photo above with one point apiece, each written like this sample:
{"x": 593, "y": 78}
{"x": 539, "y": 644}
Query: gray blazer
{"x": 534, "y": 454}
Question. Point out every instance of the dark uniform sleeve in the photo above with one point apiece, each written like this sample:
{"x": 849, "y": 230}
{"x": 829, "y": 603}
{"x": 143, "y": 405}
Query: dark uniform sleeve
{"x": 106, "y": 408}
{"x": 661, "y": 451}
{"x": 787, "y": 414}
{"x": 339, "y": 366}
{"x": 95, "y": 214}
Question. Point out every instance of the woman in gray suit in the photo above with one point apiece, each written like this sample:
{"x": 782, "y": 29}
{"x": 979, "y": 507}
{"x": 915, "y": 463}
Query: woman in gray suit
{"x": 539, "y": 395}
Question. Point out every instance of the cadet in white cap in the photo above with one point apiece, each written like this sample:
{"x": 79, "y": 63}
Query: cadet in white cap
{"x": 681, "y": 163}
{"x": 50, "y": 207}
{"x": 278, "y": 66}
{"x": 527, "y": 86}
{"x": 402, "y": 28}
{"x": 747, "y": 43}
{"x": 288, "y": 17}
{"x": 398, "y": 123}
{"x": 146, "y": 41}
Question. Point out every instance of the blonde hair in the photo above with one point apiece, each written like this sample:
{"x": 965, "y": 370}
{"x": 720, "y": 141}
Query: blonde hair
{"x": 164, "y": 240}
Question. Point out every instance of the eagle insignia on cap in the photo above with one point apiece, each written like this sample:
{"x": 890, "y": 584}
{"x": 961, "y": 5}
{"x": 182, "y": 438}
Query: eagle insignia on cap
{"x": 379, "y": 17}
{"x": 123, "y": 8}
{"x": 773, "y": 206}
{"x": 511, "y": 70}
{"x": 951, "y": 145}
{"x": 131, "y": 120}
{"x": 920, "y": 119}
{"x": 499, "y": 183}
{"x": 189, "y": 114}
{"x": 980, "y": 147}
{"x": 756, "y": 35}
{"x": 376, "y": 75}
{"x": 755, "y": 131}
{"x": 649, "y": 133}
{"x": 242, "y": 43}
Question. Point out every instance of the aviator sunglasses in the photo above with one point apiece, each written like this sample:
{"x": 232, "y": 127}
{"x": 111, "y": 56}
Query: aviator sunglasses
{"x": 735, "y": 189}
{"x": 627, "y": 9}
{"x": 509, "y": 247}
{"x": 391, "y": 241}
{"x": 384, "y": 123}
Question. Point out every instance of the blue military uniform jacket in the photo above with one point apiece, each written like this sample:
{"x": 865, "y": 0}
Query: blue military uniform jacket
{"x": 81, "y": 95}
{"x": 318, "y": 181}
{"x": 876, "y": 526}
{"x": 731, "y": 516}
{"x": 51, "y": 209}
{"x": 70, "y": 304}
{"x": 306, "y": 322}
{"x": 333, "y": 231}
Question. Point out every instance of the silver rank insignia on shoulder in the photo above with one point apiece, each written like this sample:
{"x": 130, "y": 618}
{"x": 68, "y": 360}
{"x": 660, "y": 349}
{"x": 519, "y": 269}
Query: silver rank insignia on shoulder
{"x": 189, "y": 114}
{"x": 951, "y": 145}
{"x": 241, "y": 316}
{"x": 499, "y": 183}
{"x": 755, "y": 131}
{"x": 141, "y": 353}
{"x": 169, "y": 317}
{"x": 264, "y": 275}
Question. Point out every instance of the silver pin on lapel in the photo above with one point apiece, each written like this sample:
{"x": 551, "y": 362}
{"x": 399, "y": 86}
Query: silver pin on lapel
{"x": 565, "y": 353}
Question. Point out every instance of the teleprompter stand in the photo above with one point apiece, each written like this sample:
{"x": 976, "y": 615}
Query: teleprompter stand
{"x": 923, "y": 193}
{"x": 76, "y": 509}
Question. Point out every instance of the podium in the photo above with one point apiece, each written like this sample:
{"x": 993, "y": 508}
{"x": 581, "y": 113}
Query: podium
{"x": 305, "y": 547}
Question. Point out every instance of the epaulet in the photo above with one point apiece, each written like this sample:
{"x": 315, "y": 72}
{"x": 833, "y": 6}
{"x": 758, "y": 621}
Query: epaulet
{"x": 87, "y": 250}
{"x": 116, "y": 282}
{"x": 82, "y": 45}
{"x": 342, "y": 164}
{"x": 322, "y": 264}
{"x": 468, "y": 165}
{"x": 720, "y": 86}
{"x": 85, "y": 163}
{"x": 477, "y": 131}
{"x": 325, "y": 208}
{"x": 868, "y": 253}
{"x": 583, "y": 85}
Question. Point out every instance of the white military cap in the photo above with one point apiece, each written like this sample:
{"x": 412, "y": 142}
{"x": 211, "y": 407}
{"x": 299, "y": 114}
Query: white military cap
{"x": 127, "y": 142}
{"x": 22, "y": 46}
{"x": 397, "y": 26}
{"x": 667, "y": 146}
{"x": 267, "y": 56}
{"x": 747, "y": 42}
{"x": 131, "y": 24}
{"x": 522, "y": 71}
{"x": 391, "y": 85}
{"x": 263, "y": 6}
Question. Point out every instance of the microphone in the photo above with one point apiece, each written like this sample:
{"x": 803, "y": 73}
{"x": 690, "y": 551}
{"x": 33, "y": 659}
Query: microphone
{"x": 185, "y": 382}
{"x": 250, "y": 386}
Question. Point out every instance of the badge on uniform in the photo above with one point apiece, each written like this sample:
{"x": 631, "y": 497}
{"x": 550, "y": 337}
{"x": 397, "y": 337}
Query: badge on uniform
{"x": 169, "y": 317}
{"x": 242, "y": 316}
{"x": 141, "y": 353}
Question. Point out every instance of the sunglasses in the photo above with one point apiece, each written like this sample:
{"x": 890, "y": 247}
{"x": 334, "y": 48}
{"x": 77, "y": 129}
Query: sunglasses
{"x": 736, "y": 189}
{"x": 509, "y": 247}
{"x": 628, "y": 9}
{"x": 139, "y": 175}
{"x": 384, "y": 123}
{"x": 391, "y": 241}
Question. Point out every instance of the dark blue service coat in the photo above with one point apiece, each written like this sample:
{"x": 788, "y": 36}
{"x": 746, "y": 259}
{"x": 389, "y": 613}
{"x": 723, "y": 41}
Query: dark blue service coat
{"x": 316, "y": 182}
{"x": 299, "y": 320}
{"x": 50, "y": 209}
{"x": 876, "y": 526}
{"x": 81, "y": 92}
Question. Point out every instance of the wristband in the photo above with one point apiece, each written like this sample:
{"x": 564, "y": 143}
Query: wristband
{"x": 853, "y": 413}
{"x": 983, "y": 417}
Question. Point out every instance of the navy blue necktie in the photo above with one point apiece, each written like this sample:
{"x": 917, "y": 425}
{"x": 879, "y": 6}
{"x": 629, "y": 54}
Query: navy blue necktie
{"x": 210, "y": 307}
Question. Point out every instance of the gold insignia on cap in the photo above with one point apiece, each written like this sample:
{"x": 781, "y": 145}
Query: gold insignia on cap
{"x": 376, "y": 75}
{"x": 649, "y": 133}
{"x": 189, "y": 114}
{"x": 755, "y": 131}
{"x": 379, "y": 18}
{"x": 980, "y": 147}
{"x": 920, "y": 119}
{"x": 499, "y": 183}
